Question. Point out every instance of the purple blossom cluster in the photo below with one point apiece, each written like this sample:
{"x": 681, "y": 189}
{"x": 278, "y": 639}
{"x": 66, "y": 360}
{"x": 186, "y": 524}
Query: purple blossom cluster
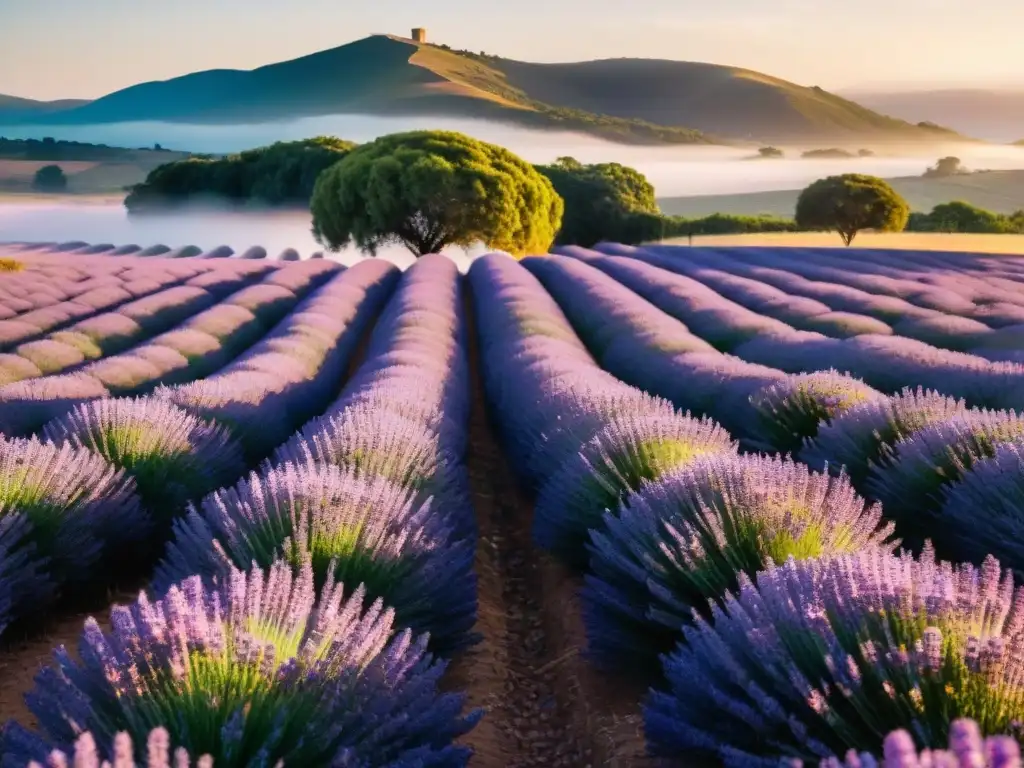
{"x": 680, "y": 543}
{"x": 173, "y": 455}
{"x": 264, "y": 669}
{"x": 63, "y": 512}
{"x": 912, "y": 474}
{"x": 820, "y": 657}
{"x": 159, "y": 754}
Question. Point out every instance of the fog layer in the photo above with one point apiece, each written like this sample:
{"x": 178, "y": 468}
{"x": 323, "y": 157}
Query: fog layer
{"x": 674, "y": 171}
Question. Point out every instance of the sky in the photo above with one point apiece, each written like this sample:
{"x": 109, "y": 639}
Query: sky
{"x": 52, "y": 49}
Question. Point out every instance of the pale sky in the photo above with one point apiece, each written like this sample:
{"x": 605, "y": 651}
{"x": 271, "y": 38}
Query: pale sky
{"x": 53, "y": 49}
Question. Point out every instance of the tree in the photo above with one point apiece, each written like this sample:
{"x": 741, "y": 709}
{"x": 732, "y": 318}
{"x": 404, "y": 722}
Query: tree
{"x": 50, "y": 178}
{"x": 850, "y": 203}
{"x": 770, "y": 152}
{"x": 946, "y": 166}
{"x": 601, "y": 201}
{"x": 959, "y": 216}
{"x": 430, "y": 189}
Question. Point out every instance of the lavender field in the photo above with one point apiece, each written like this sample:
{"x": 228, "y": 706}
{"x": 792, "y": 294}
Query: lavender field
{"x": 613, "y": 507}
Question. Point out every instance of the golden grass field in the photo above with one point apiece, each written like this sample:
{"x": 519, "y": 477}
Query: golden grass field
{"x": 1000, "y": 191}
{"x": 919, "y": 241}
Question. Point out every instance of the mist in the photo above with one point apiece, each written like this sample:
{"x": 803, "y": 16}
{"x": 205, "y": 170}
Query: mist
{"x": 674, "y": 171}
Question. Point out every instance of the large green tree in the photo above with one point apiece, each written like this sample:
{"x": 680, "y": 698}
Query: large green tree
{"x": 851, "y": 203}
{"x": 602, "y": 201}
{"x": 430, "y": 189}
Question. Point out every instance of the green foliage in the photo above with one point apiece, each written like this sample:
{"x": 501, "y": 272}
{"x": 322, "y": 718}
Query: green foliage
{"x": 830, "y": 153}
{"x": 850, "y": 203}
{"x": 770, "y": 152}
{"x": 53, "y": 150}
{"x": 959, "y": 216}
{"x": 50, "y": 178}
{"x": 283, "y": 173}
{"x": 599, "y": 200}
{"x": 430, "y": 189}
{"x": 945, "y": 166}
{"x": 11, "y": 265}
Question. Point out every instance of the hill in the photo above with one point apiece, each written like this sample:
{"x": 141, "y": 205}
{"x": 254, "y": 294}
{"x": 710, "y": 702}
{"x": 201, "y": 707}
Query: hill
{"x": 996, "y": 115}
{"x": 13, "y": 107}
{"x": 632, "y": 100}
{"x": 1000, "y": 191}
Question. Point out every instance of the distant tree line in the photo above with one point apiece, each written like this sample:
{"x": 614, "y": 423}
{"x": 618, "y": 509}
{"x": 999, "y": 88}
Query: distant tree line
{"x": 280, "y": 174}
{"x": 50, "y": 149}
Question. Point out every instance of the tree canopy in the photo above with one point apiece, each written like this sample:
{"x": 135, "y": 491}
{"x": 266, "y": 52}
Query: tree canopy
{"x": 851, "y": 203}
{"x": 600, "y": 200}
{"x": 946, "y": 166}
{"x": 430, "y": 189}
{"x": 960, "y": 216}
{"x": 280, "y": 174}
{"x": 50, "y": 178}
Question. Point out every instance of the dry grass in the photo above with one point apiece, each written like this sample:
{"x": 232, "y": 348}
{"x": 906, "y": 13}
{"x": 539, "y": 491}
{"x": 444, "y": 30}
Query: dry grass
{"x": 918, "y": 241}
{"x": 1001, "y": 191}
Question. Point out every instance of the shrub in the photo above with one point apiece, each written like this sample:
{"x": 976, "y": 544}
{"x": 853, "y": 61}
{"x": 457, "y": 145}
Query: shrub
{"x": 355, "y": 529}
{"x": 794, "y": 409}
{"x": 430, "y": 189}
{"x": 173, "y": 455}
{"x": 257, "y": 672}
{"x": 11, "y": 265}
{"x": 679, "y": 543}
{"x": 629, "y": 450}
{"x": 910, "y": 478}
{"x": 850, "y": 203}
{"x": 62, "y": 509}
{"x": 50, "y": 178}
{"x": 857, "y": 438}
{"x": 826, "y": 656}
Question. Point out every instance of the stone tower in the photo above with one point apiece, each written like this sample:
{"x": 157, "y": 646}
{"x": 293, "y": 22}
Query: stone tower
{"x": 419, "y": 34}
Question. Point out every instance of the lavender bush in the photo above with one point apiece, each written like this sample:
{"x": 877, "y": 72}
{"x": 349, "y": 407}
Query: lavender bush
{"x": 856, "y": 438}
{"x": 825, "y": 656}
{"x": 251, "y": 674}
{"x": 911, "y": 476}
{"x": 173, "y": 455}
{"x": 983, "y": 513}
{"x": 794, "y": 409}
{"x": 158, "y": 754}
{"x": 626, "y": 452}
{"x": 358, "y": 530}
{"x": 678, "y": 544}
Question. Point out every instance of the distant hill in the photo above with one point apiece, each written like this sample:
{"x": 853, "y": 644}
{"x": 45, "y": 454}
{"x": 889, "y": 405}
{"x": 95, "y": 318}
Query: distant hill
{"x": 635, "y": 100}
{"x": 995, "y": 115}
{"x": 1000, "y": 191}
{"x": 13, "y": 107}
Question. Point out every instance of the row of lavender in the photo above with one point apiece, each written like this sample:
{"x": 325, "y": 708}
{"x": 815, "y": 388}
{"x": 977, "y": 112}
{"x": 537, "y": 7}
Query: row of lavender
{"x": 78, "y": 247}
{"x": 294, "y": 606}
{"x": 914, "y": 451}
{"x": 671, "y": 529}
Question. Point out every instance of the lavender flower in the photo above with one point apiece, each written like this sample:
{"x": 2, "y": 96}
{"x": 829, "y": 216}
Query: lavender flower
{"x": 857, "y": 438}
{"x": 359, "y": 530}
{"x": 253, "y": 673}
{"x": 983, "y": 513}
{"x": 967, "y": 749}
{"x": 793, "y": 409}
{"x": 173, "y": 455}
{"x": 825, "y": 656}
{"x": 910, "y": 477}
{"x": 61, "y": 509}
{"x": 158, "y": 754}
{"x": 625, "y": 453}
{"x": 679, "y": 543}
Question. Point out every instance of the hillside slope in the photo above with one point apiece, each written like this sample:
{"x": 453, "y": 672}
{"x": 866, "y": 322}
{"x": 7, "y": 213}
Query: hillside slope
{"x": 16, "y": 107}
{"x": 623, "y": 99}
{"x": 996, "y": 115}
